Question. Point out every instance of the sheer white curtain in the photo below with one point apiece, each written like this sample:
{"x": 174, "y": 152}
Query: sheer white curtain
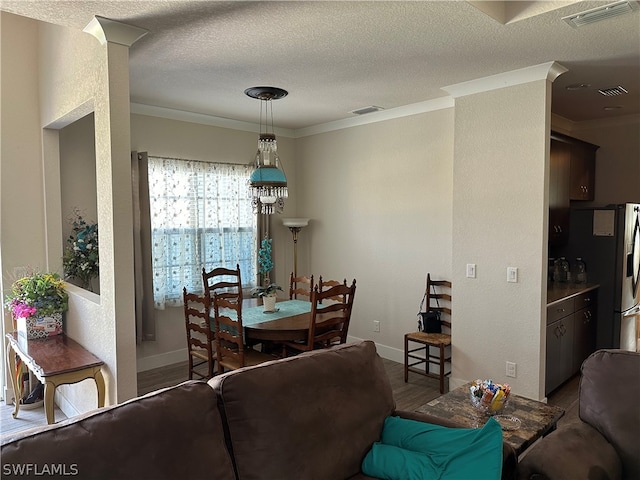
{"x": 201, "y": 216}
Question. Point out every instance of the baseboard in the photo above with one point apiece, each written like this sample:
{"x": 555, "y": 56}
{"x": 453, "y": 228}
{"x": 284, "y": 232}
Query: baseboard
{"x": 161, "y": 360}
{"x": 390, "y": 353}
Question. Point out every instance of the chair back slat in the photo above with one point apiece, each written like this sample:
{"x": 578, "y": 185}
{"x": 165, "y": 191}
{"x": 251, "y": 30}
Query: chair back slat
{"x": 329, "y": 322}
{"x": 438, "y": 294}
{"x": 229, "y": 334}
{"x": 222, "y": 280}
{"x": 300, "y": 286}
{"x": 200, "y": 340}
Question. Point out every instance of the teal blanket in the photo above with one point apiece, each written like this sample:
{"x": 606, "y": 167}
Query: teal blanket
{"x": 412, "y": 450}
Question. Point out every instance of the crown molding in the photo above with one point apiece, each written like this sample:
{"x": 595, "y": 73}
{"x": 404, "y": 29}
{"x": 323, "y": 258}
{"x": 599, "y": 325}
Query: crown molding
{"x": 571, "y": 126}
{"x": 545, "y": 71}
{"x": 106, "y": 30}
{"x": 202, "y": 119}
{"x": 381, "y": 116}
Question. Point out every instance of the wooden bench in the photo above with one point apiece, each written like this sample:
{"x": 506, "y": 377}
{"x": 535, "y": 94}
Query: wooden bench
{"x": 56, "y": 360}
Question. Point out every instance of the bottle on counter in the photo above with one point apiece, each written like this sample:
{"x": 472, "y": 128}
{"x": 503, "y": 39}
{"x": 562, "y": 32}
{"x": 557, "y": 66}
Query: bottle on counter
{"x": 565, "y": 270}
{"x": 581, "y": 271}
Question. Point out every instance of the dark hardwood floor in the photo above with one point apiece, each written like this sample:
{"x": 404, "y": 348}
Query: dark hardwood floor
{"x": 408, "y": 396}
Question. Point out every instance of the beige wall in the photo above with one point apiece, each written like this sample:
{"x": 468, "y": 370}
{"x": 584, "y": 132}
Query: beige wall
{"x": 499, "y": 221}
{"x": 379, "y": 197}
{"x": 64, "y": 78}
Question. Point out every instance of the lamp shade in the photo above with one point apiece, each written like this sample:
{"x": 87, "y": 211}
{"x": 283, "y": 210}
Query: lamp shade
{"x": 295, "y": 222}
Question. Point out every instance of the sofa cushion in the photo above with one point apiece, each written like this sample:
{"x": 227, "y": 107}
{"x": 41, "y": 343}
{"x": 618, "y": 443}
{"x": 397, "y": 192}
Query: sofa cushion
{"x": 608, "y": 400}
{"x": 168, "y": 434}
{"x": 311, "y": 416}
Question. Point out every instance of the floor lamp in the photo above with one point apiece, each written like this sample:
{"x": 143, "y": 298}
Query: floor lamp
{"x": 295, "y": 225}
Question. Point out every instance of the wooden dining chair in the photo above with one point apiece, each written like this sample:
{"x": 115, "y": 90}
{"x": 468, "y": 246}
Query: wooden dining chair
{"x": 329, "y": 322}
{"x": 199, "y": 336}
{"x": 300, "y": 286}
{"x": 323, "y": 285}
{"x": 438, "y": 298}
{"x": 231, "y": 351}
{"x": 222, "y": 280}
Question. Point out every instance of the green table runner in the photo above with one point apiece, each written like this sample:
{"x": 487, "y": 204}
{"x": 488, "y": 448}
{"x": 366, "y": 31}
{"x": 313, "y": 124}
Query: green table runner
{"x": 256, "y": 315}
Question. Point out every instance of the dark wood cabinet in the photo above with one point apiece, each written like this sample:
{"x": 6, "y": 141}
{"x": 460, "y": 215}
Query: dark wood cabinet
{"x": 560, "y": 168}
{"x": 571, "y": 177}
{"x": 571, "y": 337}
{"x": 584, "y": 333}
{"x": 583, "y": 171}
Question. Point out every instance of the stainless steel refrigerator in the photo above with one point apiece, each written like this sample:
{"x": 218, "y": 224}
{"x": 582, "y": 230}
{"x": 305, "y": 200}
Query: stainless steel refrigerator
{"x": 608, "y": 240}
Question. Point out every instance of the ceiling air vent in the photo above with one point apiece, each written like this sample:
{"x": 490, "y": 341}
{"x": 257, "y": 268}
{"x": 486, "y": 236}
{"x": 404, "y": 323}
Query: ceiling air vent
{"x": 601, "y": 13}
{"x": 371, "y": 109}
{"x": 613, "y": 91}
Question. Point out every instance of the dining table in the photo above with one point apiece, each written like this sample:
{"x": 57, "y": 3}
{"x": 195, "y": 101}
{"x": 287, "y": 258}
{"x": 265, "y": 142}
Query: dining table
{"x": 289, "y": 322}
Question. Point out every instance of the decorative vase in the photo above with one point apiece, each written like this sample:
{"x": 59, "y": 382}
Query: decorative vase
{"x": 269, "y": 302}
{"x": 40, "y": 327}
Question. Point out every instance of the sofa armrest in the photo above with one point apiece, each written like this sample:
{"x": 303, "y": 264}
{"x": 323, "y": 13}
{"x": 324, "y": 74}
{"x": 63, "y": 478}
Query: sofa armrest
{"x": 575, "y": 450}
{"x": 509, "y": 458}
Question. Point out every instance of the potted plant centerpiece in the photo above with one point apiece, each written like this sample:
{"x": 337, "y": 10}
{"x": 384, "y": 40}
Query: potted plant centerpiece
{"x": 268, "y": 295}
{"x": 268, "y": 290}
{"x": 37, "y": 302}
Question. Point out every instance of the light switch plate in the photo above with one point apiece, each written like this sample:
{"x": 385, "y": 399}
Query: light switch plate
{"x": 471, "y": 270}
{"x": 512, "y": 274}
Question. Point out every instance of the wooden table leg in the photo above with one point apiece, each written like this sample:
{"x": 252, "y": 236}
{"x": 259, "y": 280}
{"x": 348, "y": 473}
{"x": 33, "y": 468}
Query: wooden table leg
{"x": 49, "y": 393}
{"x": 11, "y": 362}
{"x": 100, "y": 385}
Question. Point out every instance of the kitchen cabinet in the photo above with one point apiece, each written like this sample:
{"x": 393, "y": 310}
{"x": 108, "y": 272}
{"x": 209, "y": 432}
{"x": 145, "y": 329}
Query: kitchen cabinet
{"x": 559, "y": 355}
{"x": 582, "y": 171}
{"x": 571, "y": 177}
{"x": 570, "y": 334}
{"x": 560, "y": 168}
{"x": 584, "y": 333}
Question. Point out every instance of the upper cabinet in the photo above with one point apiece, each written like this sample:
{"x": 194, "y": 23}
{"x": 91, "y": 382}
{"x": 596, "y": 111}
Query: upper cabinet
{"x": 571, "y": 177}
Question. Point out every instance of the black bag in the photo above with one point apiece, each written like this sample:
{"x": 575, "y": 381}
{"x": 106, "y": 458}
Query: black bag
{"x": 429, "y": 321}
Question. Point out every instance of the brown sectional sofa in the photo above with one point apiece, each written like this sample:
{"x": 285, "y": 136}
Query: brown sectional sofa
{"x": 313, "y": 416}
{"x": 604, "y": 443}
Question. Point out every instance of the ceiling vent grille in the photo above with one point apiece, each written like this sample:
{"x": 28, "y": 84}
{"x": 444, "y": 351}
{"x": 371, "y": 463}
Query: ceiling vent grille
{"x": 613, "y": 91}
{"x": 365, "y": 110}
{"x": 601, "y": 13}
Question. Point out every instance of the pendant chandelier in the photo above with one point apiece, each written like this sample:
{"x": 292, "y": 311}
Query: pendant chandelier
{"x": 268, "y": 183}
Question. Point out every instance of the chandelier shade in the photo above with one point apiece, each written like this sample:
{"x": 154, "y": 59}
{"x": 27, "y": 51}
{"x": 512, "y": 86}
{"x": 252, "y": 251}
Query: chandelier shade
{"x": 268, "y": 182}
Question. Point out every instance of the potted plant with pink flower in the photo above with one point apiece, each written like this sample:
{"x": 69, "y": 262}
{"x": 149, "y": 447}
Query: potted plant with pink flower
{"x": 37, "y": 302}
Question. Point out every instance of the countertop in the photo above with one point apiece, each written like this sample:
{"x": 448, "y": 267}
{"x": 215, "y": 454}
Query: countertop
{"x": 560, "y": 291}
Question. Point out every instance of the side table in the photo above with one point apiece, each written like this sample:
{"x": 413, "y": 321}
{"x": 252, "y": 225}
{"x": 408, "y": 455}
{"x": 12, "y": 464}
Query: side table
{"x": 536, "y": 418}
{"x": 56, "y": 360}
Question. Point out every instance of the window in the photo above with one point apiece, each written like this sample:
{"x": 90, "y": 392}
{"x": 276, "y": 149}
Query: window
{"x": 201, "y": 216}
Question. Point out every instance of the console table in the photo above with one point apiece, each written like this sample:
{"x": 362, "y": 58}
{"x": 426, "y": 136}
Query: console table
{"x": 537, "y": 418}
{"x": 56, "y": 360}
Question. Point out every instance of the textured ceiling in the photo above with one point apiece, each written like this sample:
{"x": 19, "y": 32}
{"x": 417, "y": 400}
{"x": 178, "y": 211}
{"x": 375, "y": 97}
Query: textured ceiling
{"x": 335, "y": 57}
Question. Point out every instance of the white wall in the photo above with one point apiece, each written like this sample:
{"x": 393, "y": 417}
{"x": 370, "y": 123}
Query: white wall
{"x": 22, "y": 221}
{"x": 499, "y": 220}
{"x": 65, "y": 77}
{"x": 379, "y": 196}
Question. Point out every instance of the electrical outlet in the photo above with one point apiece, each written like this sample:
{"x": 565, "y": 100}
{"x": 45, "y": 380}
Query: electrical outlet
{"x": 471, "y": 270}
{"x": 511, "y": 369}
{"x": 376, "y": 326}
